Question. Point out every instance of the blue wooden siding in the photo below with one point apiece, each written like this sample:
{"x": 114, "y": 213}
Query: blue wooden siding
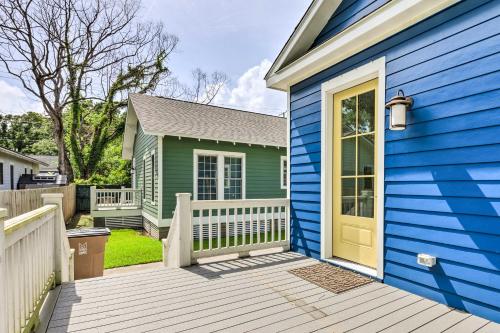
{"x": 348, "y": 13}
{"x": 442, "y": 174}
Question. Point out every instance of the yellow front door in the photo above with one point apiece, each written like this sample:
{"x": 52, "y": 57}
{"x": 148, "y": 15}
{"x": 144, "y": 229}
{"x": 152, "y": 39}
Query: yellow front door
{"x": 355, "y": 174}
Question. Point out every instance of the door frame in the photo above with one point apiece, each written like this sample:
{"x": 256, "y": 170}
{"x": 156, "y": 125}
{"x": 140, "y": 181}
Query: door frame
{"x": 373, "y": 70}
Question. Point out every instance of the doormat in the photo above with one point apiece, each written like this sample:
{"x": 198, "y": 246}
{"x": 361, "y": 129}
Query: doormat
{"x": 331, "y": 278}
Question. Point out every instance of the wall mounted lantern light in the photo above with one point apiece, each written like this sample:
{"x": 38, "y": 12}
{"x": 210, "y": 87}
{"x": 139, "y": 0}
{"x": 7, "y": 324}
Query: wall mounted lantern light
{"x": 398, "y": 105}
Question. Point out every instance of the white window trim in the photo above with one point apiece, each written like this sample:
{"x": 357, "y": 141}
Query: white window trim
{"x": 143, "y": 185}
{"x": 153, "y": 170}
{"x": 220, "y": 171}
{"x": 370, "y": 71}
{"x": 282, "y": 160}
{"x": 134, "y": 173}
{"x": 160, "y": 181}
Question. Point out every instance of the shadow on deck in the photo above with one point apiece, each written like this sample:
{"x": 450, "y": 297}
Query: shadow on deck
{"x": 251, "y": 294}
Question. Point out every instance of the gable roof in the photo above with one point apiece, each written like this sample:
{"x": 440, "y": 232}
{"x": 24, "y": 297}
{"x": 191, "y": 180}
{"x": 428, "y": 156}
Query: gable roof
{"x": 302, "y": 38}
{"x": 298, "y": 61}
{"x": 21, "y": 156}
{"x": 166, "y": 116}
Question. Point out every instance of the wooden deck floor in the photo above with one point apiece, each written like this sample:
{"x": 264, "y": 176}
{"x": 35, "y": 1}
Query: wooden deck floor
{"x": 255, "y": 294}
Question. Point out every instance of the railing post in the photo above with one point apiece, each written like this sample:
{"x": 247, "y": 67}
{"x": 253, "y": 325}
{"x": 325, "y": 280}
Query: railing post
{"x": 122, "y": 196}
{"x": 177, "y": 245}
{"x": 185, "y": 228}
{"x": 61, "y": 271}
{"x": 3, "y": 278}
{"x": 92, "y": 198}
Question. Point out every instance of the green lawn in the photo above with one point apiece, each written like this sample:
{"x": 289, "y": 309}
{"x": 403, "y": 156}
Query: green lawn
{"x": 239, "y": 240}
{"x": 129, "y": 247}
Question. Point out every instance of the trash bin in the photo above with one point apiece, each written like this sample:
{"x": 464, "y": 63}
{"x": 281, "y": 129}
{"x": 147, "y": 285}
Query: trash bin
{"x": 89, "y": 245}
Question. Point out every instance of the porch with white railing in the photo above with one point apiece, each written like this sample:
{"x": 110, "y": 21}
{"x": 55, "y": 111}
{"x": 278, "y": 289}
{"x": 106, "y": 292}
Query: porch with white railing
{"x": 202, "y": 229}
{"x": 115, "y": 202}
{"x": 34, "y": 257}
{"x": 257, "y": 294}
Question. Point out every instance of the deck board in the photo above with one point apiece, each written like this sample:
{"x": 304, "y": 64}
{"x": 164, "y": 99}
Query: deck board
{"x": 255, "y": 294}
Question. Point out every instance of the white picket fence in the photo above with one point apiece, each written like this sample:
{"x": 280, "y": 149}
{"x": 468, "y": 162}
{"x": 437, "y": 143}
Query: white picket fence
{"x": 203, "y": 229}
{"x": 34, "y": 257}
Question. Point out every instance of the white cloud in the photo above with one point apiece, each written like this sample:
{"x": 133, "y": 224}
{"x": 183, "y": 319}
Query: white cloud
{"x": 250, "y": 93}
{"x": 15, "y": 101}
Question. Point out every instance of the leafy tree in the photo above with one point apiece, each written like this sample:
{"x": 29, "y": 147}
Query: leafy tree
{"x": 29, "y": 133}
{"x": 66, "y": 52}
{"x": 81, "y": 58}
{"x": 111, "y": 169}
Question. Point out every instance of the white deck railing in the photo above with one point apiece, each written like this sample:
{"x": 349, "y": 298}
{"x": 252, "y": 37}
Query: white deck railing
{"x": 127, "y": 198}
{"x": 202, "y": 229}
{"x": 34, "y": 256}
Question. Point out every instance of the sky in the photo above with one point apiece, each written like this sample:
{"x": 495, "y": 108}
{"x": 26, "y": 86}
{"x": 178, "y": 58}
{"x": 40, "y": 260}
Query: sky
{"x": 238, "y": 37}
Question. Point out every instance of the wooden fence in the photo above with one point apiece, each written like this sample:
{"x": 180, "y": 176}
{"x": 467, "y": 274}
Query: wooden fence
{"x": 18, "y": 202}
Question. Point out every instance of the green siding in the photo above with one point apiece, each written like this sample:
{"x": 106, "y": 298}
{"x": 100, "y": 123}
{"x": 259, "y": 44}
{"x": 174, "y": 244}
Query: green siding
{"x": 143, "y": 146}
{"x": 263, "y": 167}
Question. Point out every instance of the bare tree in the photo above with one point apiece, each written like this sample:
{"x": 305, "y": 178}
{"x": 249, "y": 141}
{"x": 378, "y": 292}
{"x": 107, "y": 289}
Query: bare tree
{"x": 30, "y": 50}
{"x": 84, "y": 56}
{"x": 205, "y": 87}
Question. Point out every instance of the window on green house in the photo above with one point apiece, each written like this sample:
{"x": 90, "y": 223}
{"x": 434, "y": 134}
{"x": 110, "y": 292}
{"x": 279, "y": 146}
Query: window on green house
{"x": 153, "y": 177}
{"x": 207, "y": 177}
{"x": 232, "y": 178}
{"x": 284, "y": 172}
{"x": 219, "y": 175}
{"x": 144, "y": 179}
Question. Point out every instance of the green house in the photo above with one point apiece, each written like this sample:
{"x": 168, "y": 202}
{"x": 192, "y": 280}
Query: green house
{"x": 212, "y": 152}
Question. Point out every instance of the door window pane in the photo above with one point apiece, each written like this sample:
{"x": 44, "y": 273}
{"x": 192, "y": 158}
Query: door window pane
{"x": 365, "y": 197}
{"x": 348, "y": 196}
{"x": 366, "y": 151}
{"x": 348, "y": 157}
{"x": 366, "y": 112}
{"x": 357, "y": 140}
{"x": 207, "y": 177}
{"x": 232, "y": 178}
{"x": 349, "y": 116}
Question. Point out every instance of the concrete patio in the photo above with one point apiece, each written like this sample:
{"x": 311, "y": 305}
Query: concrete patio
{"x": 252, "y": 294}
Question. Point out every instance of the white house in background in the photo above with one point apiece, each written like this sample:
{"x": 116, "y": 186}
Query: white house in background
{"x": 13, "y": 165}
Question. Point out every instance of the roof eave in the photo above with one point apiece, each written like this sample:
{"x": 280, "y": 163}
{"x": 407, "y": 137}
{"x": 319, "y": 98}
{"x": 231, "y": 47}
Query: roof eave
{"x": 374, "y": 28}
{"x": 182, "y": 135}
{"x": 21, "y": 156}
{"x": 308, "y": 28}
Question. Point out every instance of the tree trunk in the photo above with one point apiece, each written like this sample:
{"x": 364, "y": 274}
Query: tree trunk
{"x": 64, "y": 163}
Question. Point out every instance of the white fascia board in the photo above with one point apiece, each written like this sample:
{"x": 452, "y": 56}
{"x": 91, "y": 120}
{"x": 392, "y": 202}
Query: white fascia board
{"x": 309, "y": 27}
{"x": 374, "y": 28}
{"x": 129, "y": 133}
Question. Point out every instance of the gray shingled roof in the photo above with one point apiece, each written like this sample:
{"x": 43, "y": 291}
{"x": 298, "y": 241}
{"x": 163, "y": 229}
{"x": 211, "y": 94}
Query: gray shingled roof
{"x": 165, "y": 116}
{"x": 52, "y": 162}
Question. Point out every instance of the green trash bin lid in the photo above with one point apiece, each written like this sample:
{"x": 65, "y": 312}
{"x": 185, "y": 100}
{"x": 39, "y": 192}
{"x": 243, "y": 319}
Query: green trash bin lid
{"x": 88, "y": 232}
